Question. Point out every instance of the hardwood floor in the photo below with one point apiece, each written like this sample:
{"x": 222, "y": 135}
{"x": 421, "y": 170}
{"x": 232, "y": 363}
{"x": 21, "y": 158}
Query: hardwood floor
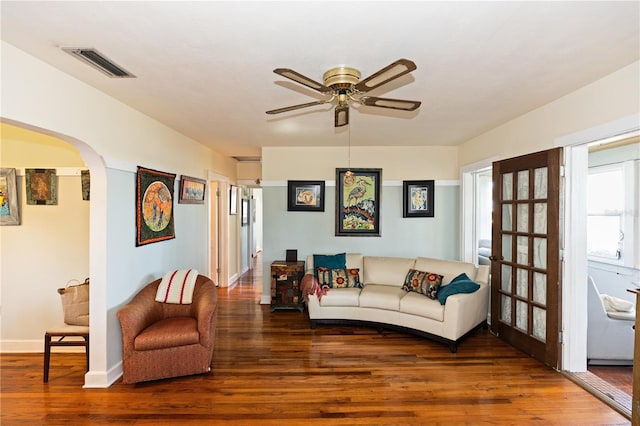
{"x": 272, "y": 369}
{"x": 619, "y": 376}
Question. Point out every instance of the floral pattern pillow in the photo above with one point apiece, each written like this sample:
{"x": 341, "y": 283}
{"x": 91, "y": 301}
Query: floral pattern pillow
{"x": 426, "y": 283}
{"x": 338, "y": 278}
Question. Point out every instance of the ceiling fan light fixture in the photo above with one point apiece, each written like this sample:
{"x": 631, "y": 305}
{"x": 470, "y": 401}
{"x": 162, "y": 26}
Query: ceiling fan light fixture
{"x": 341, "y": 77}
{"x": 343, "y": 84}
{"x": 341, "y": 115}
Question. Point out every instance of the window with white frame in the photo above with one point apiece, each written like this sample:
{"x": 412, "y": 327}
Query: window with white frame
{"x": 605, "y": 208}
{"x": 613, "y": 196}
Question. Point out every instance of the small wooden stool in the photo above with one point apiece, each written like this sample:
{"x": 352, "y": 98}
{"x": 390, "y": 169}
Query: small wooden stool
{"x": 62, "y": 332}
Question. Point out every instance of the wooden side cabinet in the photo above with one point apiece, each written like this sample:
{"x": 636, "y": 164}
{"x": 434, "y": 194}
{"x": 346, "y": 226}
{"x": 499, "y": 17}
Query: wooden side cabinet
{"x": 285, "y": 285}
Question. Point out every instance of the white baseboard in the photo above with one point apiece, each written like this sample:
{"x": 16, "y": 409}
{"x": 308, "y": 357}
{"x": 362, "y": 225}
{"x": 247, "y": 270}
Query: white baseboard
{"x": 34, "y": 346}
{"x": 102, "y": 379}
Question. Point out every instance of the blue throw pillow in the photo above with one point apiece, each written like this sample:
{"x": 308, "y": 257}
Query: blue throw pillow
{"x": 460, "y": 284}
{"x": 333, "y": 261}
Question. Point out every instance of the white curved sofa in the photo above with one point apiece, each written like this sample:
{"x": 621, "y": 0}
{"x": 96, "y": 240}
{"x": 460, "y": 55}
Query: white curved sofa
{"x": 383, "y": 303}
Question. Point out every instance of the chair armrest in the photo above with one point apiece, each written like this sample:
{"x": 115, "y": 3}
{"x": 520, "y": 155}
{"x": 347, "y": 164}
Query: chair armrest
{"x": 204, "y": 309}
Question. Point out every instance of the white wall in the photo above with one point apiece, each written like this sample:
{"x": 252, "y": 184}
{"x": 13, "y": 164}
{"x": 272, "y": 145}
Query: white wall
{"x": 608, "y": 99}
{"x": 112, "y": 139}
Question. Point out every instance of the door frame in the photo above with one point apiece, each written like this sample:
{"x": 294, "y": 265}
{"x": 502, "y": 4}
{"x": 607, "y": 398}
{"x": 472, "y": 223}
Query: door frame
{"x": 221, "y": 221}
{"x": 574, "y": 271}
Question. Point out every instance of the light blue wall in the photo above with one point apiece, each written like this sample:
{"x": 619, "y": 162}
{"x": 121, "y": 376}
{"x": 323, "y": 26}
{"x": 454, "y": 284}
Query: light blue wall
{"x": 137, "y": 266}
{"x": 314, "y": 232}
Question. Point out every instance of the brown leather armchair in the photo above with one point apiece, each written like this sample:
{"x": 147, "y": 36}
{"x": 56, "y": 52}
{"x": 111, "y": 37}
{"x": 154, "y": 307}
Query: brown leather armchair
{"x": 161, "y": 340}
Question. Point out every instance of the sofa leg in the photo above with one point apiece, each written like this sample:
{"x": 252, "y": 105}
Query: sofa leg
{"x": 313, "y": 324}
{"x": 453, "y": 347}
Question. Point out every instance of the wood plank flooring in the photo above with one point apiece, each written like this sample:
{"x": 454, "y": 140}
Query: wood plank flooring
{"x": 272, "y": 369}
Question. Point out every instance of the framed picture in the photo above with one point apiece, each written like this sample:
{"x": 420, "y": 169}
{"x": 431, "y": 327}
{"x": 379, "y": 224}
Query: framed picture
{"x": 245, "y": 212}
{"x": 41, "y": 186}
{"x": 305, "y": 195}
{"x": 9, "y": 210}
{"x": 85, "y": 179}
{"x": 191, "y": 190}
{"x": 417, "y": 198}
{"x": 233, "y": 200}
{"x": 358, "y": 202}
{"x": 154, "y": 206}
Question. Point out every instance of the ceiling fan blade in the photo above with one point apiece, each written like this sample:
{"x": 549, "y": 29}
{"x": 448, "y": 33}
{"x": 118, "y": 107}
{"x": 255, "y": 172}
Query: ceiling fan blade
{"x": 305, "y": 81}
{"x": 341, "y": 116}
{"x": 390, "y": 103}
{"x": 294, "y": 107}
{"x": 386, "y": 74}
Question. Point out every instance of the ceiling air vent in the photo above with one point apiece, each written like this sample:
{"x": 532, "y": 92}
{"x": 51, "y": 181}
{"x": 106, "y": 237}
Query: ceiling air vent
{"x": 97, "y": 60}
{"x": 248, "y": 159}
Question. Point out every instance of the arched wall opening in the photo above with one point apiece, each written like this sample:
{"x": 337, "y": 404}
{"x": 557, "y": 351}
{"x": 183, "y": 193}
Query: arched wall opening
{"x": 96, "y": 376}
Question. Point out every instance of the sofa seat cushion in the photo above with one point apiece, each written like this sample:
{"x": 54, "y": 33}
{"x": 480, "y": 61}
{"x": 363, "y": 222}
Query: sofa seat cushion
{"x": 419, "y": 304}
{"x": 625, "y": 316}
{"x": 168, "y": 333}
{"x": 381, "y": 297}
{"x": 341, "y": 297}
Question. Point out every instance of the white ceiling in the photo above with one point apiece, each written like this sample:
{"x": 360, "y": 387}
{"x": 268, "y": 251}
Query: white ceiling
{"x": 205, "y": 68}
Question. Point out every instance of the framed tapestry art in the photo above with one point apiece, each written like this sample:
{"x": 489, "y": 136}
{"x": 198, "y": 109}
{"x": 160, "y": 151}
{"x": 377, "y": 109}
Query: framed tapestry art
{"x": 305, "y": 195}
{"x": 358, "y": 202}
{"x": 41, "y": 186}
{"x": 417, "y": 198}
{"x": 191, "y": 190}
{"x": 154, "y": 206}
{"x": 85, "y": 179}
{"x": 9, "y": 213}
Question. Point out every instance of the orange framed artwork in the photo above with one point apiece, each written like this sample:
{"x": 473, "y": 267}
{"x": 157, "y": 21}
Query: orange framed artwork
{"x": 154, "y": 206}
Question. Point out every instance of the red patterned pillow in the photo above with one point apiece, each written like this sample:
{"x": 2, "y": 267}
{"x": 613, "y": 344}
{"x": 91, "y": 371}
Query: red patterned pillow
{"x": 426, "y": 283}
{"x": 338, "y": 278}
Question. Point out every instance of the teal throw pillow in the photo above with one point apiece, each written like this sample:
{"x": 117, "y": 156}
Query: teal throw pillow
{"x": 333, "y": 261}
{"x": 460, "y": 284}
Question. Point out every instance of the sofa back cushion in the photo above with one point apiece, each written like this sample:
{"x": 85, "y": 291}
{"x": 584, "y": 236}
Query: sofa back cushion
{"x": 448, "y": 268}
{"x": 386, "y": 270}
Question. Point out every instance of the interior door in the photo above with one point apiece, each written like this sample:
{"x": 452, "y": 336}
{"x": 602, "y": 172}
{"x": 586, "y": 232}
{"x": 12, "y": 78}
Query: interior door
{"x": 525, "y": 261}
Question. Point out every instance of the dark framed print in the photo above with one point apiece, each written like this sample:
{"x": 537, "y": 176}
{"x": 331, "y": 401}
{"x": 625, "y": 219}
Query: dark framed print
{"x": 233, "y": 200}
{"x": 41, "y": 186}
{"x": 85, "y": 181}
{"x": 245, "y": 212}
{"x": 417, "y": 198}
{"x": 154, "y": 206}
{"x": 358, "y": 202}
{"x": 305, "y": 195}
{"x": 191, "y": 190}
{"x": 9, "y": 207}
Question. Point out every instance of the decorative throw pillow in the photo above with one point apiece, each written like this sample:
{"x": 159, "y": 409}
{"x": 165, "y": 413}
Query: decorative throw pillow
{"x": 460, "y": 284}
{"x": 426, "y": 283}
{"x": 615, "y": 304}
{"x": 338, "y": 278}
{"x": 334, "y": 261}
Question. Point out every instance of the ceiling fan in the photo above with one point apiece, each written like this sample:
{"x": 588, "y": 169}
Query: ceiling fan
{"x": 343, "y": 84}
